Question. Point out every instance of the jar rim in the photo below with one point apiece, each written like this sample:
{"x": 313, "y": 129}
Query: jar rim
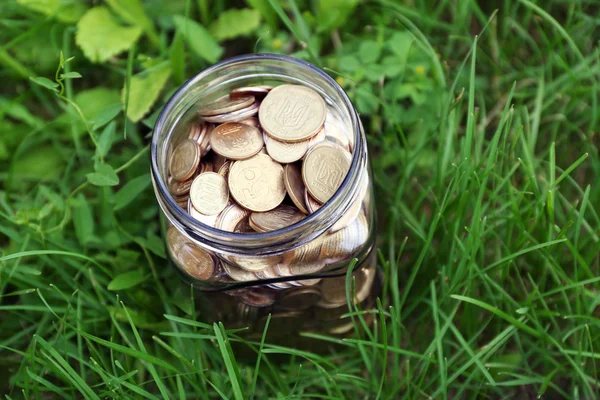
{"x": 220, "y": 239}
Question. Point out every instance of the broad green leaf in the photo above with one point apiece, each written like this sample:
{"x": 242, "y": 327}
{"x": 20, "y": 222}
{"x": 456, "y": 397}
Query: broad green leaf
{"x": 332, "y": 14}
{"x": 369, "y": 51}
{"x": 45, "y": 211}
{"x": 401, "y": 43}
{"x": 105, "y": 175}
{"x": 267, "y": 12}
{"x": 64, "y": 10}
{"x": 392, "y": 66}
{"x": 105, "y": 140}
{"x": 145, "y": 88}
{"x": 132, "y": 11}
{"x": 131, "y": 190}
{"x": 156, "y": 245}
{"x": 101, "y": 37}
{"x": 127, "y": 280}
{"x": 37, "y": 164}
{"x": 18, "y": 111}
{"x": 177, "y": 59}
{"x": 106, "y": 115}
{"x": 83, "y": 220}
{"x": 350, "y": 63}
{"x": 36, "y": 48}
{"x": 366, "y": 102}
{"x": 45, "y": 82}
{"x": 198, "y": 38}
{"x": 92, "y": 101}
{"x": 235, "y": 22}
{"x": 70, "y": 75}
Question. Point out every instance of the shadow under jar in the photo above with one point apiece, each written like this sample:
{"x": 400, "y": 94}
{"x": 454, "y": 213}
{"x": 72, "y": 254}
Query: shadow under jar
{"x": 269, "y": 268}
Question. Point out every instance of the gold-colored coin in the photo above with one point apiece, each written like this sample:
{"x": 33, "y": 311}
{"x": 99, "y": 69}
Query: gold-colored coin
{"x": 325, "y": 167}
{"x": 238, "y": 274}
{"x": 195, "y": 131}
{"x": 177, "y": 188}
{"x": 231, "y": 217}
{"x": 209, "y": 193}
{"x": 280, "y": 285}
{"x": 333, "y": 289}
{"x": 256, "y": 91}
{"x": 308, "y": 252}
{"x": 224, "y": 170}
{"x": 182, "y": 201}
{"x": 300, "y": 298}
{"x": 363, "y": 291}
{"x": 184, "y": 160}
{"x": 256, "y": 297}
{"x": 307, "y": 267}
{"x": 292, "y": 113}
{"x": 210, "y": 220}
{"x": 257, "y": 183}
{"x": 309, "y": 282}
{"x": 348, "y": 217}
{"x": 277, "y": 218}
{"x": 255, "y": 264}
{"x": 244, "y": 226}
{"x": 205, "y": 167}
{"x": 198, "y": 130}
{"x": 175, "y": 240}
{"x": 244, "y": 313}
{"x": 267, "y": 273}
{"x": 343, "y": 244}
{"x": 234, "y": 116}
{"x": 303, "y": 260}
{"x": 195, "y": 261}
{"x": 292, "y": 178}
{"x": 352, "y": 213}
{"x": 204, "y": 140}
{"x": 335, "y": 133}
{"x": 285, "y": 152}
{"x": 253, "y": 121}
{"x": 236, "y": 141}
{"x": 225, "y": 105}
{"x": 311, "y": 203}
{"x": 283, "y": 269}
{"x": 217, "y": 161}
{"x": 341, "y": 328}
{"x": 318, "y": 138}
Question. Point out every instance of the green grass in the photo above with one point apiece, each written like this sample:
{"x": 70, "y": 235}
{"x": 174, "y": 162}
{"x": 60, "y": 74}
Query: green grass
{"x": 481, "y": 119}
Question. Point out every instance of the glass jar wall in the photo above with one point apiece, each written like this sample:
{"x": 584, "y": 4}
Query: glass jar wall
{"x": 297, "y": 258}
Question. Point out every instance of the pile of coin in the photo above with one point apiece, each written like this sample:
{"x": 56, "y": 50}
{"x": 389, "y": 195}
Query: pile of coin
{"x": 260, "y": 159}
{"x": 316, "y": 308}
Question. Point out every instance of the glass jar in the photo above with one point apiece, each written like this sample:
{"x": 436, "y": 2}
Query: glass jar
{"x": 299, "y": 256}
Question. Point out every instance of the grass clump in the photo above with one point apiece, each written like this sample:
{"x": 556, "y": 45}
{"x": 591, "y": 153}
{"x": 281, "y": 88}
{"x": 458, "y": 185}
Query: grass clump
{"x": 481, "y": 120}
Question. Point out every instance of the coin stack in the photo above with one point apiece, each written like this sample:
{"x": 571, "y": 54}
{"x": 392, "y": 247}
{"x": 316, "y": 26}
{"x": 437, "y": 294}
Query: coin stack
{"x": 317, "y": 308}
{"x": 260, "y": 159}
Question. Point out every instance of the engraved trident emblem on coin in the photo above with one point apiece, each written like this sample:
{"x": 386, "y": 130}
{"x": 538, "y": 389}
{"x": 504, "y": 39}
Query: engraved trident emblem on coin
{"x": 329, "y": 173}
{"x": 291, "y": 113}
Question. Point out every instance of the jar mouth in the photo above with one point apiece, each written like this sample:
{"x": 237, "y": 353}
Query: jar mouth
{"x": 223, "y": 240}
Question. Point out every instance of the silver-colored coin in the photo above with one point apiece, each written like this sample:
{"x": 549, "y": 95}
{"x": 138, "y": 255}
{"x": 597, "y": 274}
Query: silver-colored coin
{"x": 234, "y": 116}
